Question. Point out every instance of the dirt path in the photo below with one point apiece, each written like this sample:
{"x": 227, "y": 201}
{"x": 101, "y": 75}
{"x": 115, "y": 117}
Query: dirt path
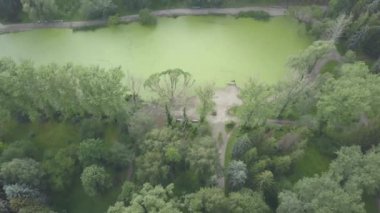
{"x": 224, "y": 99}
{"x": 273, "y": 11}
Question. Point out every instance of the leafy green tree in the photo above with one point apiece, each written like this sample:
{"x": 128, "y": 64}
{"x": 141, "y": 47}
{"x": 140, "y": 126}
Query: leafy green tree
{"x": 206, "y": 200}
{"x": 22, "y": 171}
{"x": 282, "y": 164}
{"x": 127, "y": 191}
{"x": 92, "y": 151}
{"x": 97, "y": 8}
{"x": 203, "y": 156}
{"x": 119, "y": 155}
{"x": 240, "y": 147}
{"x": 117, "y": 208}
{"x": 147, "y": 18}
{"x": 236, "y": 174}
{"x": 205, "y": 95}
{"x": 319, "y": 194}
{"x": 61, "y": 92}
{"x": 19, "y": 149}
{"x": 151, "y": 199}
{"x": 355, "y": 170}
{"x": 247, "y": 201}
{"x": 40, "y": 9}
{"x": 158, "y": 152}
{"x": 257, "y": 105}
{"x": 345, "y": 100}
{"x": 264, "y": 180}
{"x": 60, "y": 168}
{"x": 95, "y": 180}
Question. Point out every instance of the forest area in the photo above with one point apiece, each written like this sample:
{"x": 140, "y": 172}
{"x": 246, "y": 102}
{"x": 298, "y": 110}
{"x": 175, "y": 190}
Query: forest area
{"x": 52, "y": 10}
{"x": 74, "y": 135}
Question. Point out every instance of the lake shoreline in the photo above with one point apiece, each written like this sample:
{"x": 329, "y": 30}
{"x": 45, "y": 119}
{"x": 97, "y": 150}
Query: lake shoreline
{"x": 75, "y": 25}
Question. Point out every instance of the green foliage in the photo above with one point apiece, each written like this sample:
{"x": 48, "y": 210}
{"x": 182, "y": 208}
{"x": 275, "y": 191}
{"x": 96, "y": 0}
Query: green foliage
{"x": 282, "y": 164}
{"x": 205, "y": 95}
{"x": 338, "y": 190}
{"x": 127, "y": 191}
{"x": 247, "y": 201}
{"x": 97, "y": 8}
{"x": 147, "y": 18}
{"x": 95, "y": 180}
{"x": 371, "y": 42}
{"x": 113, "y": 20}
{"x": 119, "y": 155}
{"x": 354, "y": 170}
{"x": 150, "y": 199}
{"x": 203, "y": 156}
{"x": 40, "y": 9}
{"x": 257, "y": 105}
{"x": 155, "y": 198}
{"x": 60, "y": 168}
{"x": 319, "y": 194}
{"x": 92, "y": 151}
{"x": 22, "y": 171}
{"x": 91, "y": 128}
{"x": 213, "y": 200}
{"x": 240, "y": 147}
{"x": 236, "y": 174}
{"x": 61, "y": 91}
{"x": 258, "y": 15}
{"x": 206, "y": 200}
{"x": 345, "y": 100}
{"x": 264, "y": 180}
{"x": 19, "y": 149}
{"x": 152, "y": 165}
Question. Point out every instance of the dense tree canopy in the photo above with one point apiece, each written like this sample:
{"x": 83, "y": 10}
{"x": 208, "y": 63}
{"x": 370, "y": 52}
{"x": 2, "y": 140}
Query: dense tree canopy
{"x": 67, "y": 91}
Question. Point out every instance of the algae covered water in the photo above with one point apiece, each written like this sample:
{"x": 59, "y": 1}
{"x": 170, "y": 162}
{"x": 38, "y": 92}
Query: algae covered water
{"x": 212, "y": 49}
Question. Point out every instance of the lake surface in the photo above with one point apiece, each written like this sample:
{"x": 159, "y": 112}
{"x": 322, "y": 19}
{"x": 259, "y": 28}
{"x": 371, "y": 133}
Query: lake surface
{"x": 213, "y": 49}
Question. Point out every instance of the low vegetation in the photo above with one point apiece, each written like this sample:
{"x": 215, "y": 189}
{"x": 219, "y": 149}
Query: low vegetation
{"x": 258, "y": 15}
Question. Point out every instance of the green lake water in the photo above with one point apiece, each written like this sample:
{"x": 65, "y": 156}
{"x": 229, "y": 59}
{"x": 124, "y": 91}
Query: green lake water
{"x": 213, "y": 49}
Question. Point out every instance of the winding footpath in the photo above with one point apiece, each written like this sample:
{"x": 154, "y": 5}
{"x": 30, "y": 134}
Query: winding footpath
{"x": 273, "y": 11}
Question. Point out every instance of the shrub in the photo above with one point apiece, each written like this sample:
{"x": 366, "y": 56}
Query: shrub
{"x": 147, "y": 18}
{"x": 258, "y": 15}
{"x": 113, "y": 20}
{"x": 230, "y": 125}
